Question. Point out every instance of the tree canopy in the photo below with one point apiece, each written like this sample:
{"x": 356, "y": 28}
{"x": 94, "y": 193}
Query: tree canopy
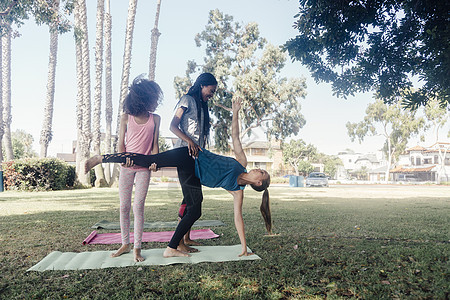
{"x": 246, "y": 66}
{"x": 395, "y": 124}
{"x": 16, "y": 11}
{"x": 299, "y": 155}
{"x": 383, "y": 46}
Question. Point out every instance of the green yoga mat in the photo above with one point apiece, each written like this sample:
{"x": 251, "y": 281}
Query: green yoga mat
{"x": 116, "y": 225}
{"x": 101, "y": 259}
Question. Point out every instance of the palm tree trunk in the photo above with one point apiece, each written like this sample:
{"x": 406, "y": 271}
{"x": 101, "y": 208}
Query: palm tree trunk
{"x": 108, "y": 87}
{"x": 83, "y": 94}
{"x": 79, "y": 71}
{"x": 99, "y": 174}
{"x": 125, "y": 71}
{"x": 126, "y": 61}
{"x": 1, "y": 106}
{"x": 6, "y": 93}
{"x": 154, "y": 45}
{"x": 46, "y": 131}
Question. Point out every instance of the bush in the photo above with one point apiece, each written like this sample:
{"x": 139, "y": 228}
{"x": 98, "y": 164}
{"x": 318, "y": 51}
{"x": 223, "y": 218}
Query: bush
{"x": 35, "y": 174}
{"x": 279, "y": 180}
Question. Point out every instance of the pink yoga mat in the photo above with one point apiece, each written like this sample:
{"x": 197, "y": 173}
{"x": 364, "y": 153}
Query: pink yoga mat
{"x": 162, "y": 236}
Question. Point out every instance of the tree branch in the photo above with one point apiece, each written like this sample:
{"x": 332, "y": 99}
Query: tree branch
{"x": 224, "y": 107}
{"x": 9, "y": 8}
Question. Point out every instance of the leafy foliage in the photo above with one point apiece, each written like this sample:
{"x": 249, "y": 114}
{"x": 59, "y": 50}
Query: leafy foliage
{"x": 246, "y": 66}
{"x": 162, "y": 144}
{"x": 437, "y": 117}
{"x": 38, "y": 174}
{"x": 396, "y": 125}
{"x": 22, "y": 144}
{"x": 330, "y": 163}
{"x": 298, "y": 155}
{"x": 363, "y": 45}
{"x": 15, "y": 12}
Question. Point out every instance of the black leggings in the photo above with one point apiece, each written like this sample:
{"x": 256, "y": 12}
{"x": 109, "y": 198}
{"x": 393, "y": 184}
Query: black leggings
{"x": 191, "y": 186}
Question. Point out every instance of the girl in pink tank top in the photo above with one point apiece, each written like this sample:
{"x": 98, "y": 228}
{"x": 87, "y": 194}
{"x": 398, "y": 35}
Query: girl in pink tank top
{"x": 139, "y": 132}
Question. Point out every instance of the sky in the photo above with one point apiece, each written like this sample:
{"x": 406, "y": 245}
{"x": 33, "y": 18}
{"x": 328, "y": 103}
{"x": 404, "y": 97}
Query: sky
{"x": 179, "y": 22}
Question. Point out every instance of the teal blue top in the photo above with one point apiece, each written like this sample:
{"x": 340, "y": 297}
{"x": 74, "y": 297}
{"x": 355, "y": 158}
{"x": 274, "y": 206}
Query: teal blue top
{"x": 218, "y": 171}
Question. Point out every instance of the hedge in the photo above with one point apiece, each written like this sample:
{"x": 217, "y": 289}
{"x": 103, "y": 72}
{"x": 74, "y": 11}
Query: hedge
{"x": 38, "y": 174}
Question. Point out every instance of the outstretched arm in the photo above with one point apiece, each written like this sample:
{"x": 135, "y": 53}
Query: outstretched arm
{"x": 239, "y": 220}
{"x": 237, "y": 146}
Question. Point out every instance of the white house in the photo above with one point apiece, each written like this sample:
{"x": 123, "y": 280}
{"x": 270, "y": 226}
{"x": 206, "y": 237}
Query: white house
{"x": 424, "y": 164}
{"x": 374, "y": 163}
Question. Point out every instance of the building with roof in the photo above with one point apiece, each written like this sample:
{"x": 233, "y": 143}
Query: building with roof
{"x": 424, "y": 164}
{"x": 371, "y": 163}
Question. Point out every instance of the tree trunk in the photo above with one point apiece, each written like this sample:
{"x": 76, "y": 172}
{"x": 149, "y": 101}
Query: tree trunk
{"x": 1, "y": 106}
{"x": 83, "y": 94}
{"x": 125, "y": 72}
{"x": 388, "y": 167}
{"x": 46, "y": 131}
{"x": 99, "y": 174}
{"x": 442, "y": 154}
{"x": 108, "y": 87}
{"x": 6, "y": 94}
{"x": 79, "y": 71}
{"x": 154, "y": 44}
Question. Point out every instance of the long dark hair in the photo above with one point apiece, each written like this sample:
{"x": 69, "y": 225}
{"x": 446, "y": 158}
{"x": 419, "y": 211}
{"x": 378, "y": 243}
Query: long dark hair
{"x": 195, "y": 92}
{"x": 265, "y": 203}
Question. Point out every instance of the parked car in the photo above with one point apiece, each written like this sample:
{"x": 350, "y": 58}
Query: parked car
{"x": 316, "y": 179}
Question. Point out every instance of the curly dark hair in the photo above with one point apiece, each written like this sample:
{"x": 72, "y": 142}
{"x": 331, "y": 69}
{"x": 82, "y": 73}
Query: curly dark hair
{"x": 144, "y": 95}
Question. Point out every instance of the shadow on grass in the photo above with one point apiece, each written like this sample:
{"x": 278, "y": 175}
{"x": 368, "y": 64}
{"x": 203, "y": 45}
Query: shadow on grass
{"x": 326, "y": 247}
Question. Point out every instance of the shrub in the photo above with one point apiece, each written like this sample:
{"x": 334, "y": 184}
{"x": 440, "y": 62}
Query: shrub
{"x": 279, "y": 180}
{"x": 35, "y": 174}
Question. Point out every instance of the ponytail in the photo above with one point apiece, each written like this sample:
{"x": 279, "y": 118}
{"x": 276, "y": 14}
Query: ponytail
{"x": 265, "y": 205}
{"x": 265, "y": 211}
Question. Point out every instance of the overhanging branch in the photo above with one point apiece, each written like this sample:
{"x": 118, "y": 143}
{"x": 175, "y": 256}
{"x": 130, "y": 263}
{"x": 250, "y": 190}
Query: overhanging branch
{"x": 9, "y": 8}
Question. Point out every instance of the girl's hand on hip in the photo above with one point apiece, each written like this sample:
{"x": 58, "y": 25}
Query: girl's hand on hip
{"x": 193, "y": 148}
{"x": 128, "y": 162}
{"x": 153, "y": 167}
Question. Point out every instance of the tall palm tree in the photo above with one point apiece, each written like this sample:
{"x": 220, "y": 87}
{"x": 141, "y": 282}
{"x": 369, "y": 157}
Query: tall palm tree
{"x": 6, "y": 92}
{"x": 1, "y": 105}
{"x": 154, "y": 44}
{"x": 83, "y": 92}
{"x": 99, "y": 174}
{"x": 108, "y": 85}
{"x": 125, "y": 70}
{"x": 46, "y": 131}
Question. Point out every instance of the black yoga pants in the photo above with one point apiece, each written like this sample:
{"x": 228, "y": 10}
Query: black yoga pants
{"x": 190, "y": 184}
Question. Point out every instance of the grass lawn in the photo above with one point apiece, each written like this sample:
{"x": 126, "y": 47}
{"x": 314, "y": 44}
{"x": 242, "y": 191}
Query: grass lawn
{"x": 369, "y": 242}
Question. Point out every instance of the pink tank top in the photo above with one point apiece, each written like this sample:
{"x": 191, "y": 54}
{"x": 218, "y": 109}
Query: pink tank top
{"x": 139, "y": 137}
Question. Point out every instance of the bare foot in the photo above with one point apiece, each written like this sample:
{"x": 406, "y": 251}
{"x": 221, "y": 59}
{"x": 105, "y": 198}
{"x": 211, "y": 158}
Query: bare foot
{"x": 190, "y": 242}
{"x": 92, "y": 162}
{"x": 124, "y": 249}
{"x": 137, "y": 255}
{"x": 185, "y": 248}
{"x": 170, "y": 252}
